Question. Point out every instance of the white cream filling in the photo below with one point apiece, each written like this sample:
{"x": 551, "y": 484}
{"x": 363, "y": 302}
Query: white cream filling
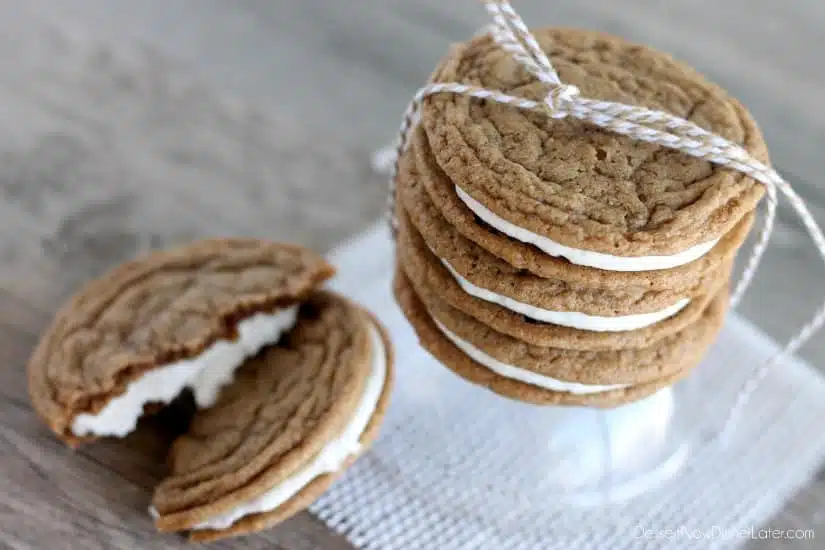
{"x": 584, "y": 257}
{"x": 569, "y": 318}
{"x": 204, "y": 375}
{"x": 522, "y": 375}
{"x": 330, "y": 459}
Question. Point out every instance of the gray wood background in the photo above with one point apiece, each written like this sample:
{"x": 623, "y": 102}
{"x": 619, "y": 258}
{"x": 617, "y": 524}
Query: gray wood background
{"x": 129, "y": 125}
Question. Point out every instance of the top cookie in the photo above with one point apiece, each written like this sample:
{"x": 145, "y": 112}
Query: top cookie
{"x": 579, "y": 186}
{"x": 158, "y": 316}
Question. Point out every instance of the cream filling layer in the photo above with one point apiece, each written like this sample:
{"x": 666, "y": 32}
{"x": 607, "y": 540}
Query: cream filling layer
{"x": 204, "y": 375}
{"x": 330, "y": 459}
{"x": 584, "y": 257}
{"x": 522, "y": 375}
{"x": 572, "y": 319}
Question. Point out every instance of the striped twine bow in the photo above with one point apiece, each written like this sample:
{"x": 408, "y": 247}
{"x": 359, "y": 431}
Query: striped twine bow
{"x": 564, "y": 100}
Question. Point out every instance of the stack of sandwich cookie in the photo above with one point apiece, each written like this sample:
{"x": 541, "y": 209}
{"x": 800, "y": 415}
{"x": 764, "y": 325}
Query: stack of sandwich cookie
{"x": 291, "y": 382}
{"x": 555, "y": 262}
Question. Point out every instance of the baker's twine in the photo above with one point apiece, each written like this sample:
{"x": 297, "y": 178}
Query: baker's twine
{"x": 564, "y": 100}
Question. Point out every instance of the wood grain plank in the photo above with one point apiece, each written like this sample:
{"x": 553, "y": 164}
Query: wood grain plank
{"x": 96, "y": 497}
{"x": 109, "y": 154}
{"x": 330, "y": 62}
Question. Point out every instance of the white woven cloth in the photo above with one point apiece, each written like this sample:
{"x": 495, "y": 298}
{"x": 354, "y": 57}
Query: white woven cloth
{"x": 455, "y": 469}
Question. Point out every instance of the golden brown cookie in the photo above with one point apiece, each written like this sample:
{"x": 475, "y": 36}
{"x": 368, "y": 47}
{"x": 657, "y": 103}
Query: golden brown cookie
{"x": 174, "y": 319}
{"x": 580, "y": 186}
{"x": 428, "y": 275}
{"x": 623, "y": 366}
{"x": 527, "y": 257}
{"x": 599, "y": 379}
{"x": 570, "y": 288}
{"x": 294, "y": 418}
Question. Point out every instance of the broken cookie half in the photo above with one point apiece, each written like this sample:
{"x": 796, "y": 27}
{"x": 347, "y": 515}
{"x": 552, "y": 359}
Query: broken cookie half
{"x": 295, "y": 416}
{"x": 177, "y": 319}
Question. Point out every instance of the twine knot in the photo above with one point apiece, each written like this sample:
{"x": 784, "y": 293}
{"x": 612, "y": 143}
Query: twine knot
{"x": 559, "y": 99}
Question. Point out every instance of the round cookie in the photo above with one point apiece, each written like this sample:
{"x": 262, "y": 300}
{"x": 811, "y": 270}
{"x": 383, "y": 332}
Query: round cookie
{"x": 583, "y": 188}
{"x": 527, "y": 257}
{"x": 294, "y": 418}
{"x": 182, "y": 318}
{"x": 602, "y": 293}
{"x": 428, "y": 275}
{"x": 446, "y": 351}
{"x": 589, "y": 369}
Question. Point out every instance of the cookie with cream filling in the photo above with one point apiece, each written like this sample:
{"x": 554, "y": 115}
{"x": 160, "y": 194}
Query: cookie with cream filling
{"x": 600, "y": 301}
{"x": 294, "y": 418}
{"x": 576, "y": 191}
{"x": 552, "y": 376}
{"x": 182, "y": 318}
{"x": 429, "y": 275}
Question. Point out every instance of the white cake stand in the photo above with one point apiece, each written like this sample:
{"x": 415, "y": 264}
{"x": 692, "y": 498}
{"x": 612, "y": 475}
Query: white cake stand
{"x": 577, "y": 457}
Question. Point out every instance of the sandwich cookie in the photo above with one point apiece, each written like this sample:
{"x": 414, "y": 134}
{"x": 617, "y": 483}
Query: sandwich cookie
{"x": 294, "y": 418}
{"x": 428, "y": 275}
{"x": 572, "y": 190}
{"x": 183, "y": 318}
{"x": 660, "y": 286}
{"x": 599, "y": 305}
{"x": 543, "y": 375}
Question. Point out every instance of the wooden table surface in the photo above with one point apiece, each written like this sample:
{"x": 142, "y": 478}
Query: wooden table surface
{"x": 131, "y": 125}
